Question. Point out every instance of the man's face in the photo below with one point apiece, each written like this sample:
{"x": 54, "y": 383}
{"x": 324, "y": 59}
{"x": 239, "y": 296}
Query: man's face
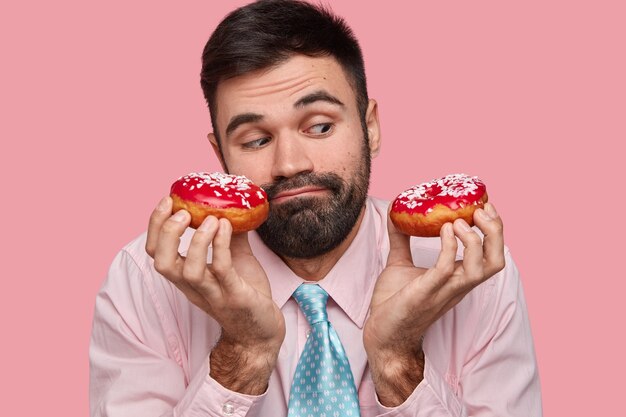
{"x": 296, "y": 131}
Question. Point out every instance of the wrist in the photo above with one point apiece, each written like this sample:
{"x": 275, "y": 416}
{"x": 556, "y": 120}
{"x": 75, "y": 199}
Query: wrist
{"x": 244, "y": 368}
{"x": 396, "y": 374}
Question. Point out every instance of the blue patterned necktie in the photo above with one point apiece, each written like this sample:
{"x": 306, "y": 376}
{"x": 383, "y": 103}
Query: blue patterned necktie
{"x": 322, "y": 385}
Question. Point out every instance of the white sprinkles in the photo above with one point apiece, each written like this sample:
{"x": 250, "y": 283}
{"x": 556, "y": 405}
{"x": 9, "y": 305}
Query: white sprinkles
{"x": 454, "y": 185}
{"x": 232, "y": 185}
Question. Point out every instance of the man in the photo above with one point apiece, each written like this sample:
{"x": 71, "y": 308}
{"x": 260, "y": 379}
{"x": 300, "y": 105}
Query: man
{"x": 211, "y": 323}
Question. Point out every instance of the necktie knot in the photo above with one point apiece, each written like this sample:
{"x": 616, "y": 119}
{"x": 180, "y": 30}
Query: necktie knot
{"x": 312, "y": 301}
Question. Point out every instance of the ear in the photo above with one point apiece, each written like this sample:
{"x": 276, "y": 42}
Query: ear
{"x": 373, "y": 127}
{"x": 216, "y": 149}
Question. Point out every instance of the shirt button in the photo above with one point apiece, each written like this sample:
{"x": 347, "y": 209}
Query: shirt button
{"x": 228, "y": 409}
{"x": 308, "y": 333}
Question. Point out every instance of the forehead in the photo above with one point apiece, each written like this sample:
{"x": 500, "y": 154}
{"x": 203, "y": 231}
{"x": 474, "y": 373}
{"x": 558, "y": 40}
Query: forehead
{"x": 270, "y": 90}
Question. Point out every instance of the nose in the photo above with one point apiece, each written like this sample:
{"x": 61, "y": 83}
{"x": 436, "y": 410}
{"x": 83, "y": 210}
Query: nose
{"x": 290, "y": 158}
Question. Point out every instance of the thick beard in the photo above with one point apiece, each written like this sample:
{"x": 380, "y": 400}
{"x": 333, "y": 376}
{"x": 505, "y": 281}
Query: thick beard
{"x": 307, "y": 227}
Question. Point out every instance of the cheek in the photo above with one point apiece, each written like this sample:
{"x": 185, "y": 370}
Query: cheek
{"x": 343, "y": 158}
{"x": 256, "y": 167}
{"x": 256, "y": 170}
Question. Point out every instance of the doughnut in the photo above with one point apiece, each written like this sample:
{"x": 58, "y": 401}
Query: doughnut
{"x": 233, "y": 197}
{"x": 423, "y": 209}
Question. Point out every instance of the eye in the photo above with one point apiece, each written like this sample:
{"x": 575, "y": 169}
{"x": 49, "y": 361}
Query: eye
{"x": 255, "y": 144}
{"x": 320, "y": 128}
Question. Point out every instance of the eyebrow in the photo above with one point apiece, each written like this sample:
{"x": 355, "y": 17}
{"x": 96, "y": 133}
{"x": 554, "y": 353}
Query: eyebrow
{"x": 316, "y": 96}
{"x": 241, "y": 119}
{"x": 320, "y": 95}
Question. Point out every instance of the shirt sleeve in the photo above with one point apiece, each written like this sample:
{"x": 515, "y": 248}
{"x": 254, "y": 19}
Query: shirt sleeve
{"x": 431, "y": 398}
{"x": 500, "y": 376}
{"x": 135, "y": 369}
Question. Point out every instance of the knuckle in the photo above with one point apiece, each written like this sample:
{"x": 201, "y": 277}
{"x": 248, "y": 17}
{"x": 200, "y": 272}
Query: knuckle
{"x": 155, "y": 216}
{"x": 187, "y": 272}
{"x": 162, "y": 267}
{"x": 170, "y": 226}
{"x": 190, "y": 274}
{"x": 457, "y": 285}
{"x": 476, "y": 278}
{"x": 500, "y": 264}
{"x": 150, "y": 250}
{"x": 219, "y": 243}
{"x": 219, "y": 269}
{"x": 478, "y": 275}
{"x": 474, "y": 239}
{"x": 446, "y": 269}
{"x": 493, "y": 266}
{"x": 200, "y": 238}
{"x": 460, "y": 287}
{"x": 497, "y": 227}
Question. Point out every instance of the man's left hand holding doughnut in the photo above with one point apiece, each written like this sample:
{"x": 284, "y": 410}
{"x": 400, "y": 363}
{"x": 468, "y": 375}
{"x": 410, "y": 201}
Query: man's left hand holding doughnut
{"x": 408, "y": 299}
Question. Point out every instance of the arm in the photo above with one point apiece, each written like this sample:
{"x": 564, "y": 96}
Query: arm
{"x": 131, "y": 372}
{"x": 499, "y": 376}
{"x": 134, "y": 367}
{"x": 502, "y": 378}
{"x": 233, "y": 289}
{"x": 407, "y": 300}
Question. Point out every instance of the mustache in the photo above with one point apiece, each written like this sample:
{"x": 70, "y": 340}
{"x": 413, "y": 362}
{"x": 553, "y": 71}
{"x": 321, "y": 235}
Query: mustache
{"x": 328, "y": 180}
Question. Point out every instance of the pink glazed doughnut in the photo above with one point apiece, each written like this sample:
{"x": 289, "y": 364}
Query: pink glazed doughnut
{"x": 423, "y": 209}
{"x": 233, "y": 197}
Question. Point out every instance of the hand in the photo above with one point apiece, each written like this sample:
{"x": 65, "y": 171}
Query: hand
{"x": 233, "y": 288}
{"x": 408, "y": 299}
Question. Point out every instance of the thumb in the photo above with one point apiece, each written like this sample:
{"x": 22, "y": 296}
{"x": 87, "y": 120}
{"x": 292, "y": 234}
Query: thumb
{"x": 399, "y": 245}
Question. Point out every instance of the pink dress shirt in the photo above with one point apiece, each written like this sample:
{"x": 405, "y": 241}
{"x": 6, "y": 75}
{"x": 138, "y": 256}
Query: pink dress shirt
{"x": 149, "y": 353}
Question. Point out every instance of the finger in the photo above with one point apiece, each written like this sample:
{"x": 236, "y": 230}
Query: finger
{"x": 472, "y": 254}
{"x": 167, "y": 260}
{"x": 222, "y": 261}
{"x": 239, "y": 244}
{"x": 491, "y": 225}
{"x": 195, "y": 267}
{"x": 399, "y": 245}
{"x": 445, "y": 265}
{"x": 160, "y": 214}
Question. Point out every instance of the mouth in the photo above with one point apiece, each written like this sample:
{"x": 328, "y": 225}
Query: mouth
{"x": 298, "y": 192}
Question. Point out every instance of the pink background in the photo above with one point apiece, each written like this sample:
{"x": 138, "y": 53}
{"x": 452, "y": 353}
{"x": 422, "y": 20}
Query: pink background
{"x": 102, "y": 110}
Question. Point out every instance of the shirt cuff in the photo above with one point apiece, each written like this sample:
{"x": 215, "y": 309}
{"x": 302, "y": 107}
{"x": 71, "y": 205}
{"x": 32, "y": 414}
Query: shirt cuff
{"x": 207, "y": 397}
{"x": 432, "y": 397}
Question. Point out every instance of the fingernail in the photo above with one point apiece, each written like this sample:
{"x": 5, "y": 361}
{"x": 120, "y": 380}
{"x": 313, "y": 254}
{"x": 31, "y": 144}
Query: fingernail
{"x": 447, "y": 230}
{"x": 163, "y": 204}
{"x": 225, "y": 226}
{"x": 207, "y": 224}
{"x": 179, "y": 216}
{"x": 463, "y": 225}
{"x": 483, "y": 215}
{"x": 491, "y": 210}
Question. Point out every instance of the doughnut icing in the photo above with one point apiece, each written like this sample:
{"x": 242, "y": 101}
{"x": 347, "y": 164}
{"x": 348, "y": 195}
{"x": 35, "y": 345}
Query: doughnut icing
{"x": 234, "y": 197}
{"x": 423, "y": 209}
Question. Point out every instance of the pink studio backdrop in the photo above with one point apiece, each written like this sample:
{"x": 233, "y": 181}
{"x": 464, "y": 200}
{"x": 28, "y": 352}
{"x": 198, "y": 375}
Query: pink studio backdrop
{"x": 102, "y": 110}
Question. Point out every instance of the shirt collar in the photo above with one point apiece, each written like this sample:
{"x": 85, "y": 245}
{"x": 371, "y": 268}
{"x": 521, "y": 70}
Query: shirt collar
{"x": 349, "y": 283}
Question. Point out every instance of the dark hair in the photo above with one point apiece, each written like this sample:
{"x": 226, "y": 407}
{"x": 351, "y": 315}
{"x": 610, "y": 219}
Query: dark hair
{"x": 266, "y": 33}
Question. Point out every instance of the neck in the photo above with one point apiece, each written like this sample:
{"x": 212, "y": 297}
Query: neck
{"x": 315, "y": 269}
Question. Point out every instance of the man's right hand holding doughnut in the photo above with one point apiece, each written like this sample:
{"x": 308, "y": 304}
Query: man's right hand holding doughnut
{"x": 233, "y": 289}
